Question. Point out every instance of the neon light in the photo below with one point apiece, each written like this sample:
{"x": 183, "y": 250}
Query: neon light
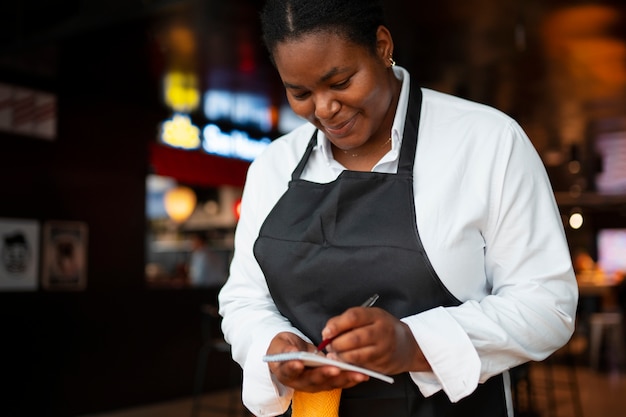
{"x": 181, "y": 91}
{"x": 179, "y": 132}
{"x": 242, "y": 109}
{"x": 237, "y": 144}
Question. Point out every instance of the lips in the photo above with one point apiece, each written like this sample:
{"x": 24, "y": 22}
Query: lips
{"x": 341, "y": 129}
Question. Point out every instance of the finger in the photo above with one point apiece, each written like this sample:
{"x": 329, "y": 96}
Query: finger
{"x": 327, "y": 378}
{"x": 287, "y": 370}
{"x": 348, "y": 320}
{"x": 355, "y": 339}
{"x": 364, "y": 355}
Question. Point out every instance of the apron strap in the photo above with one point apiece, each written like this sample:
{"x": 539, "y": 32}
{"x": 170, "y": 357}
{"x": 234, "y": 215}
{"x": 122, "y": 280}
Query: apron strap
{"x": 411, "y": 126}
{"x": 297, "y": 173}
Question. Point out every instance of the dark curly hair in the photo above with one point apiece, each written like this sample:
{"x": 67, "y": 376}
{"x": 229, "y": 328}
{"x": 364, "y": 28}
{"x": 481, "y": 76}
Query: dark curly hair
{"x": 356, "y": 20}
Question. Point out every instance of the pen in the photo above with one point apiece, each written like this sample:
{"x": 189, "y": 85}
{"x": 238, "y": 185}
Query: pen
{"x": 368, "y": 303}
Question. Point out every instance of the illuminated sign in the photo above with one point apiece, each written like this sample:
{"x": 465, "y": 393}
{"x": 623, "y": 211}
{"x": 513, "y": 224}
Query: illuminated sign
{"x": 246, "y": 110}
{"x": 179, "y": 132}
{"x": 237, "y": 144}
{"x": 181, "y": 92}
{"x": 242, "y": 109}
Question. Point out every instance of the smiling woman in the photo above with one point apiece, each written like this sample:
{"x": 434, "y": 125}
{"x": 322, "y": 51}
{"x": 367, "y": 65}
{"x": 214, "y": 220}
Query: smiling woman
{"x": 348, "y": 92}
{"x": 438, "y": 204}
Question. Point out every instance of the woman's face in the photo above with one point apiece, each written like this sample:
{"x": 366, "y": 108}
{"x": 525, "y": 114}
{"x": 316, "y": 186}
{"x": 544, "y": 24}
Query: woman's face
{"x": 342, "y": 88}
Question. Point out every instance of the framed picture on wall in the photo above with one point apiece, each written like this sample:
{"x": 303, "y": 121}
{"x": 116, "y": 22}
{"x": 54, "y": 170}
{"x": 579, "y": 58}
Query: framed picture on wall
{"x": 64, "y": 264}
{"x": 19, "y": 261}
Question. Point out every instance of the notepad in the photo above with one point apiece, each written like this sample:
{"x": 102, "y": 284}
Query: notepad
{"x": 314, "y": 359}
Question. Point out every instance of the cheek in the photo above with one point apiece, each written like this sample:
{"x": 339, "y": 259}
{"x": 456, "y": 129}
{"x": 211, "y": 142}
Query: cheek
{"x": 303, "y": 108}
{"x": 375, "y": 104}
{"x": 374, "y": 97}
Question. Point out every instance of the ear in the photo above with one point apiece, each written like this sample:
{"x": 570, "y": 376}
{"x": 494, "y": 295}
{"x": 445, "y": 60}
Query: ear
{"x": 384, "y": 45}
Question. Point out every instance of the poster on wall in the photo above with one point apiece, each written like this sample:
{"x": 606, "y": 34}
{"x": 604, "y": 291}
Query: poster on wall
{"x": 65, "y": 256}
{"x": 19, "y": 265}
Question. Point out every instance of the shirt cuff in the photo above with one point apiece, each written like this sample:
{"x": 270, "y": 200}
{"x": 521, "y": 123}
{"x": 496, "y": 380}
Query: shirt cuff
{"x": 261, "y": 393}
{"x": 449, "y": 351}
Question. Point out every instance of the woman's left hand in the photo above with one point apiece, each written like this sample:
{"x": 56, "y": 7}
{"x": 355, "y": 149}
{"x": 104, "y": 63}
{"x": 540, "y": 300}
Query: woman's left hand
{"x": 303, "y": 378}
{"x": 374, "y": 339}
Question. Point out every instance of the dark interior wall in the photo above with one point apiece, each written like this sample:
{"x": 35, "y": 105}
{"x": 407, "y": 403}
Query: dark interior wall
{"x": 117, "y": 343}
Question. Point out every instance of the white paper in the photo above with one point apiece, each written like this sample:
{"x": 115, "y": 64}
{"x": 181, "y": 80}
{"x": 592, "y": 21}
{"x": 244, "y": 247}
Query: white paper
{"x": 314, "y": 359}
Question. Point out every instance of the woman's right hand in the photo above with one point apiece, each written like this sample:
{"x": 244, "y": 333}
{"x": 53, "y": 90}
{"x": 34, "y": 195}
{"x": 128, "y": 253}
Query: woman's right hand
{"x": 309, "y": 379}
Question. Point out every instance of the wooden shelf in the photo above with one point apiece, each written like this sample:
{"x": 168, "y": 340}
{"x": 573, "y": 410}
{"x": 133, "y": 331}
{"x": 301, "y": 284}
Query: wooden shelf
{"x": 590, "y": 200}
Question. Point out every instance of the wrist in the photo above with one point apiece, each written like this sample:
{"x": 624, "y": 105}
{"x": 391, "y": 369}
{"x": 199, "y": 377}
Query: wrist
{"x": 416, "y": 360}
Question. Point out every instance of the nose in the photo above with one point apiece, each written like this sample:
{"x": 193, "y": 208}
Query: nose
{"x": 326, "y": 106}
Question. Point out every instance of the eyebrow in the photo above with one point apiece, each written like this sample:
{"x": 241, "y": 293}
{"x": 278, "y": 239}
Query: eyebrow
{"x": 333, "y": 71}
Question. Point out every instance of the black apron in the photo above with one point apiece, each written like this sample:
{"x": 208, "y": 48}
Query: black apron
{"x": 327, "y": 247}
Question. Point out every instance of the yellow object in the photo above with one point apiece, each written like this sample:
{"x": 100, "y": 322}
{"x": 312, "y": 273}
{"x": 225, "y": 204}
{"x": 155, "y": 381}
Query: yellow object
{"x": 316, "y": 404}
{"x": 180, "y": 203}
{"x": 180, "y": 132}
{"x": 181, "y": 91}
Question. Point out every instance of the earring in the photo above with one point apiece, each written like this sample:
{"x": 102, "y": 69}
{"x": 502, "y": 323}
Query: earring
{"x": 391, "y": 61}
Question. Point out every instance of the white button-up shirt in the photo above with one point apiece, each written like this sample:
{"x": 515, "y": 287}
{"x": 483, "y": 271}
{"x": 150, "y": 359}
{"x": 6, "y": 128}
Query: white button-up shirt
{"x": 490, "y": 226}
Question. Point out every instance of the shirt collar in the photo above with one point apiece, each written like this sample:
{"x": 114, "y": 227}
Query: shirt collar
{"x": 323, "y": 144}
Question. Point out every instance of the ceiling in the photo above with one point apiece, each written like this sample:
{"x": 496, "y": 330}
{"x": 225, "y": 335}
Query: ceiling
{"x": 27, "y": 23}
{"x": 32, "y": 30}
{"x": 475, "y": 48}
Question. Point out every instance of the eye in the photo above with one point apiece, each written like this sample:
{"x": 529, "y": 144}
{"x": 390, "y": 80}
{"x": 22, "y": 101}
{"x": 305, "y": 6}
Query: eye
{"x": 301, "y": 95}
{"x": 341, "y": 85}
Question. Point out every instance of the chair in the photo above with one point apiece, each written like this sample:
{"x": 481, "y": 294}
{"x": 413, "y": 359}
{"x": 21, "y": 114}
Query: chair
{"x": 607, "y": 327}
{"x": 555, "y": 386}
{"x": 568, "y": 382}
{"x": 522, "y": 391}
{"x": 211, "y": 343}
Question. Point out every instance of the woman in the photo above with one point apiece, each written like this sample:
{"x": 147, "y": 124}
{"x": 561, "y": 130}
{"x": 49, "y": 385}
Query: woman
{"x": 439, "y": 205}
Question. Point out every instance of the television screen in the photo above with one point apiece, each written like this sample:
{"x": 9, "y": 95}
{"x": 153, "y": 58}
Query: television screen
{"x": 612, "y": 250}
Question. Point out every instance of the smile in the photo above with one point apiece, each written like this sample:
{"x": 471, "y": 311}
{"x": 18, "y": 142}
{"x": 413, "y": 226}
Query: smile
{"x": 341, "y": 129}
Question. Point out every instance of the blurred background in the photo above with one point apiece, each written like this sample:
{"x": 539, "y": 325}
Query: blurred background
{"x": 126, "y": 129}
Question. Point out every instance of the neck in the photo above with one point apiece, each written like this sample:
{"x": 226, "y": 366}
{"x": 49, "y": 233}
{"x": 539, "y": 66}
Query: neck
{"x": 363, "y": 160}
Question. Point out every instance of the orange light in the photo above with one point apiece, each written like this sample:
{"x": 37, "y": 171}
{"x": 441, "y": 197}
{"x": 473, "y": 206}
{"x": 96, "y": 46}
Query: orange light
{"x": 180, "y": 203}
{"x": 237, "y": 209}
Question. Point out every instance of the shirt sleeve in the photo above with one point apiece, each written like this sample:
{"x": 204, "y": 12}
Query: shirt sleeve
{"x": 529, "y": 309}
{"x": 250, "y": 318}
